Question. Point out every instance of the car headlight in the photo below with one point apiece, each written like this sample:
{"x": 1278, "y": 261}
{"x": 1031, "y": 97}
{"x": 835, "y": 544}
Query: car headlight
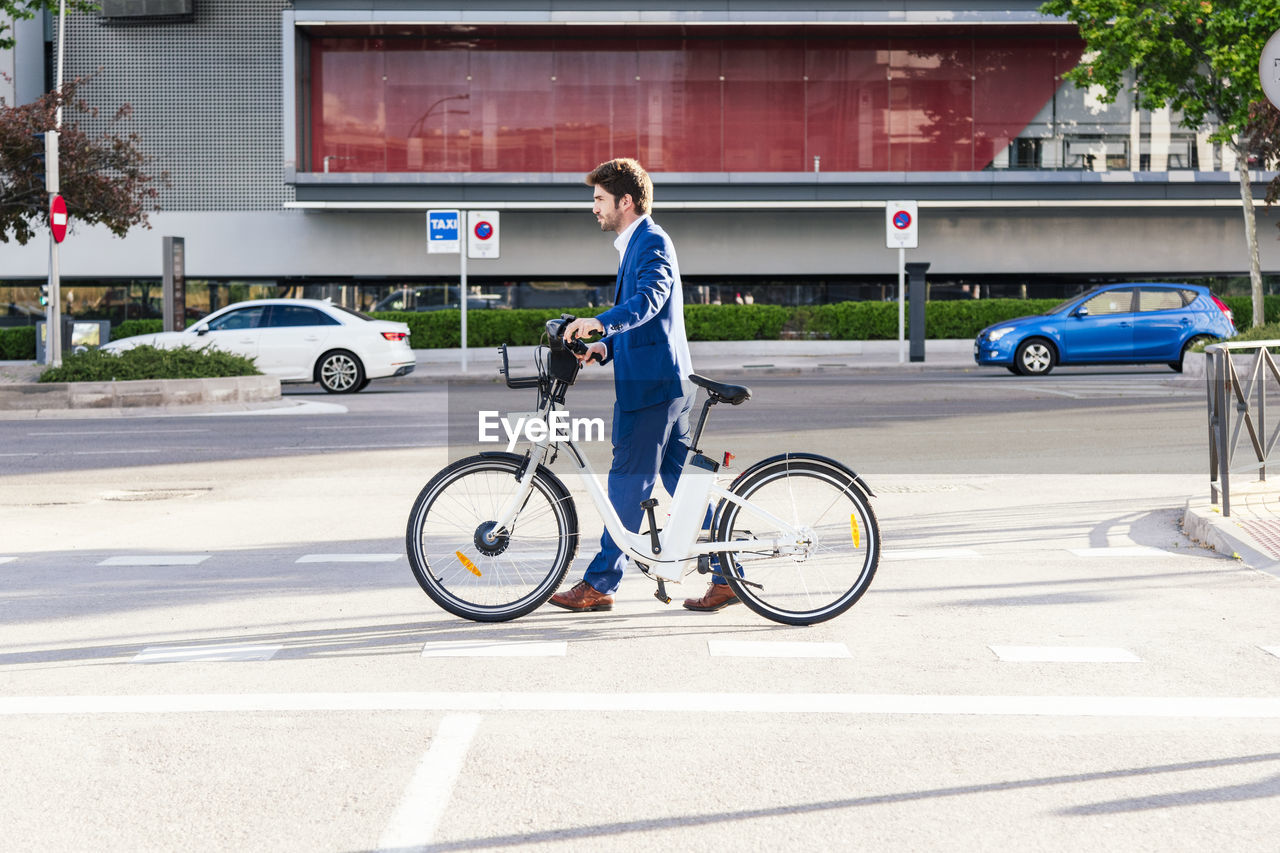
{"x": 997, "y": 334}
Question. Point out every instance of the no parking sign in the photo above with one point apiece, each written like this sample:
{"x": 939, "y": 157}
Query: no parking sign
{"x": 482, "y": 234}
{"x": 901, "y": 225}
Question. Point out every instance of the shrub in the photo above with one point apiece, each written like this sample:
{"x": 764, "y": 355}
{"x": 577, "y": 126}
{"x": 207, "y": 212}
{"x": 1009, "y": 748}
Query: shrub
{"x": 18, "y": 344}
{"x": 129, "y": 328}
{"x": 485, "y": 327}
{"x": 149, "y": 363}
{"x": 1242, "y": 309}
{"x": 735, "y": 322}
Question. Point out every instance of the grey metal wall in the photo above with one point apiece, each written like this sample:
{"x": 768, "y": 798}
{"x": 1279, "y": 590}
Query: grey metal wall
{"x": 567, "y": 244}
{"x": 206, "y": 96}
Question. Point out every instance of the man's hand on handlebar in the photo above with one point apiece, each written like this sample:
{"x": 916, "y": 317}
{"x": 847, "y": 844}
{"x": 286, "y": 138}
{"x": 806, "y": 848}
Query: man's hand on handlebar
{"x": 581, "y": 328}
{"x": 592, "y": 352}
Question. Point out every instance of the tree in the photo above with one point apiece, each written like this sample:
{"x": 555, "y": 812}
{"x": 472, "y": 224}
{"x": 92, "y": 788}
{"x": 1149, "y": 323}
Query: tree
{"x": 1196, "y": 56}
{"x": 103, "y": 179}
{"x": 27, "y": 9}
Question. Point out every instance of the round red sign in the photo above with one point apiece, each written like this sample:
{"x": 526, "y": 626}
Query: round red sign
{"x": 58, "y": 218}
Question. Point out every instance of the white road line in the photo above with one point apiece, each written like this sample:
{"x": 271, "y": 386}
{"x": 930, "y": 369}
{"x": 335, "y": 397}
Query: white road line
{"x": 1121, "y": 551}
{"x": 115, "y": 432}
{"x": 188, "y": 654}
{"x": 308, "y": 448}
{"x": 155, "y": 560}
{"x": 348, "y": 558}
{"x": 930, "y": 554}
{"x": 494, "y": 649}
{"x": 7, "y": 559}
{"x": 427, "y": 796}
{"x": 19, "y": 454}
{"x": 783, "y": 649}
{"x": 1064, "y": 654}
{"x": 110, "y": 452}
{"x": 1177, "y": 707}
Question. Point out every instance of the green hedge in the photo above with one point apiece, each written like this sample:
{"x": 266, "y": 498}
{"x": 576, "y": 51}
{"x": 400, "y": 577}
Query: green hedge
{"x": 149, "y": 363}
{"x": 1242, "y": 308}
{"x": 18, "y": 344}
{"x": 129, "y": 328}
{"x": 848, "y": 321}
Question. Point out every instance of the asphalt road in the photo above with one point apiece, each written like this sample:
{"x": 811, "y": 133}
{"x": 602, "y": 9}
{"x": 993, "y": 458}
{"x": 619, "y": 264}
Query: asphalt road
{"x": 219, "y": 648}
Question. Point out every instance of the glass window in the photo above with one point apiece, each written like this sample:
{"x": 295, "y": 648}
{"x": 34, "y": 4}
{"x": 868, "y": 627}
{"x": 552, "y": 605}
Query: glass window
{"x": 241, "y": 318}
{"x": 1159, "y": 299}
{"x": 1110, "y": 302}
{"x": 298, "y": 315}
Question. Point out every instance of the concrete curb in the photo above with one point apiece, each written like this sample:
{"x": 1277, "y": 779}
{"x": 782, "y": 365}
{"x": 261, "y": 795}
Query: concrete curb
{"x": 1203, "y": 523}
{"x": 33, "y": 396}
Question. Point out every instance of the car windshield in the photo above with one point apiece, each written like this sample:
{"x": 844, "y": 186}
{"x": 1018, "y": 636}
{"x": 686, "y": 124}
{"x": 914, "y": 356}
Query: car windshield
{"x": 351, "y": 312}
{"x": 1063, "y": 306}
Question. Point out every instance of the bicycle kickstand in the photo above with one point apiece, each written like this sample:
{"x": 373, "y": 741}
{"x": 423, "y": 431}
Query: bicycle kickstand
{"x": 661, "y": 592}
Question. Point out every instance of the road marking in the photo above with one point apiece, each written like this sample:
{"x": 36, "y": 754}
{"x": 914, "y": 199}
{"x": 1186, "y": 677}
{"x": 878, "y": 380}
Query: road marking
{"x": 187, "y": 654}
{"x": 1178, "y": 707}
{"x": 115, "y": 432}
{"x": 305, "y": 407}
{"x": 783, "y": 649}
{"x": 1271, "y": 650}
{"x": 1121, "y": 551}
{"x": 348, "y": 558}
{"x": 495, "y": 649}
{"x": 155, "y": 560}
{"x": 415, "y": 820}
{"x": 931, "y": 554}
{"x": 111, "y": 452}
{"x": 1064, "y": 654}
{"x": 7, "y": 559}
{"x": 308, "y": 448}
{"x": 19, "y": 454}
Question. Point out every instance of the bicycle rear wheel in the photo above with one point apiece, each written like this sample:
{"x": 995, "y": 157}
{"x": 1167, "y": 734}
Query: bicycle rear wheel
{"x": 841, "y": 549}
{"x": 499, "y": 580}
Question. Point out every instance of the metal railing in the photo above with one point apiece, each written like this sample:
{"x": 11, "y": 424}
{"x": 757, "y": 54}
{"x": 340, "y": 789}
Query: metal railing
{"x": 1226, "y": 393}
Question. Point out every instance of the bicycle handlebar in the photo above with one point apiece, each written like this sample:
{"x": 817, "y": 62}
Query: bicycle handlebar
{"x": 557, "y": 343}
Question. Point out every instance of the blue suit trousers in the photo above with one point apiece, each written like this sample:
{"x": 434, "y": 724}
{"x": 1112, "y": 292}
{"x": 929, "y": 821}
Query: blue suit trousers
{"x": 647, "y": 443}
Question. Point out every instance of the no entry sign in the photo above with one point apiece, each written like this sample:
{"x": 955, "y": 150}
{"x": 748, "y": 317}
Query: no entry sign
{"x": 58, "y": 218}
{"x": 901, "y": 225}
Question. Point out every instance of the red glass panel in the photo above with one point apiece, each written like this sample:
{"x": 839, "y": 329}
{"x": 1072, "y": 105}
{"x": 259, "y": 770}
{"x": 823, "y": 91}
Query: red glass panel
{"x": 428, "y": 103}
{"x": 764, "y": 106}
{"x": 347, "y": 110}
{"x": 509, "y": 100}
{"x": 511, "y": 106}
{"x": 595, "y": 103}
{"x": 678, "y": 101}
{"x": 848, "y": 105}
{"x": 931, "y": 105}
{"x": 1015, "y": 82}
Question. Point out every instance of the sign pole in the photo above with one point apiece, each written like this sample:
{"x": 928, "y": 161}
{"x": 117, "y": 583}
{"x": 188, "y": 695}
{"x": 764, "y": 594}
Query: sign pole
{"x": 462, "y": 299}
{"x": 902, "y": 274}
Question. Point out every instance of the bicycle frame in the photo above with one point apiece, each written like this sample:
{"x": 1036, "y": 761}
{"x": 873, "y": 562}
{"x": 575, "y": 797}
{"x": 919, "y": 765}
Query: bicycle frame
{"x": 677, "y": 543}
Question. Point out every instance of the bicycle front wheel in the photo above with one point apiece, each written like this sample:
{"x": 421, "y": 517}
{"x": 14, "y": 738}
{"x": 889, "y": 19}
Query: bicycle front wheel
{"x": 829, "y": 568}
{"x": 474, "y": 570}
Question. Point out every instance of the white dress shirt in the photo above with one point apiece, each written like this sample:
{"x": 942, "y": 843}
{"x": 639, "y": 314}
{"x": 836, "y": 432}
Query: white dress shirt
{"x": 623, "y": 239}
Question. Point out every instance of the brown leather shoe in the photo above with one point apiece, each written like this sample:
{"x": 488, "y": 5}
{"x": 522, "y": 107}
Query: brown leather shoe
{"x": 583, "y": 598}
{"x": 719, "y": 595}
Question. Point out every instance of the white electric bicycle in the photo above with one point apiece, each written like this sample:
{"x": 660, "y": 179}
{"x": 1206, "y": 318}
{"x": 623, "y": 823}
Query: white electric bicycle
{"x": 491, "y": 537}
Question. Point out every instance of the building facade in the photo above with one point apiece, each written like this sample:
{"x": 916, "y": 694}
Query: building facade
{"x": 304, "y": 142}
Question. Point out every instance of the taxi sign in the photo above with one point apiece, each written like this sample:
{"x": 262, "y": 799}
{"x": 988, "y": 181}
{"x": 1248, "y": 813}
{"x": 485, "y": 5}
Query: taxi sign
{"x": 443, "y": 232}
{"x": 901, "y": 225}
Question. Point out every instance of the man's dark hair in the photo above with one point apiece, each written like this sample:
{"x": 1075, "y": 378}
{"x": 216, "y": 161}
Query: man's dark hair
{"x": 624, "y": 176}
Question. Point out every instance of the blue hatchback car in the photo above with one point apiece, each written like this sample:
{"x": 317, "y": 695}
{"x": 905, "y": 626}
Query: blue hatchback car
{"x": 1139, "y": 323}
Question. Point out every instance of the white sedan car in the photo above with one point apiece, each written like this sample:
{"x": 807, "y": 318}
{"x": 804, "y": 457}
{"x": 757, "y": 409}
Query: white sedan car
{"x": 298, "y": 340}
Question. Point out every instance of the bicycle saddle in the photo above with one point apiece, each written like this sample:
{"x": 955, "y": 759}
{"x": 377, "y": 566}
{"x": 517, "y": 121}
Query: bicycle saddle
{"x": 722, "y": 392}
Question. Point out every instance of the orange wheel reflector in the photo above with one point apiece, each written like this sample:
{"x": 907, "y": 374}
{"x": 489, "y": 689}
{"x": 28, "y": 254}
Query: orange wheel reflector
{"x": 853, "y": 528}
{"x": 471, "y": 567}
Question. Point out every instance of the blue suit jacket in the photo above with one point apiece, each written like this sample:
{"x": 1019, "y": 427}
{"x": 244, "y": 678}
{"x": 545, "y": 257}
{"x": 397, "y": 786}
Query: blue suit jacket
{"x": 644, "y": 330}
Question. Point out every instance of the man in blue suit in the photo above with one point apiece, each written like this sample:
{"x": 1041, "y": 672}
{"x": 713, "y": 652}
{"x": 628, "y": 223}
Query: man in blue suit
{"x": 644, "y": 338}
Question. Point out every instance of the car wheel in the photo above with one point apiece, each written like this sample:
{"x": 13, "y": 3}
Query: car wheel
{"x": 1186, "y": 348}
{"x": 1034, "y": 357}
{"x": 340, "y": 372}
